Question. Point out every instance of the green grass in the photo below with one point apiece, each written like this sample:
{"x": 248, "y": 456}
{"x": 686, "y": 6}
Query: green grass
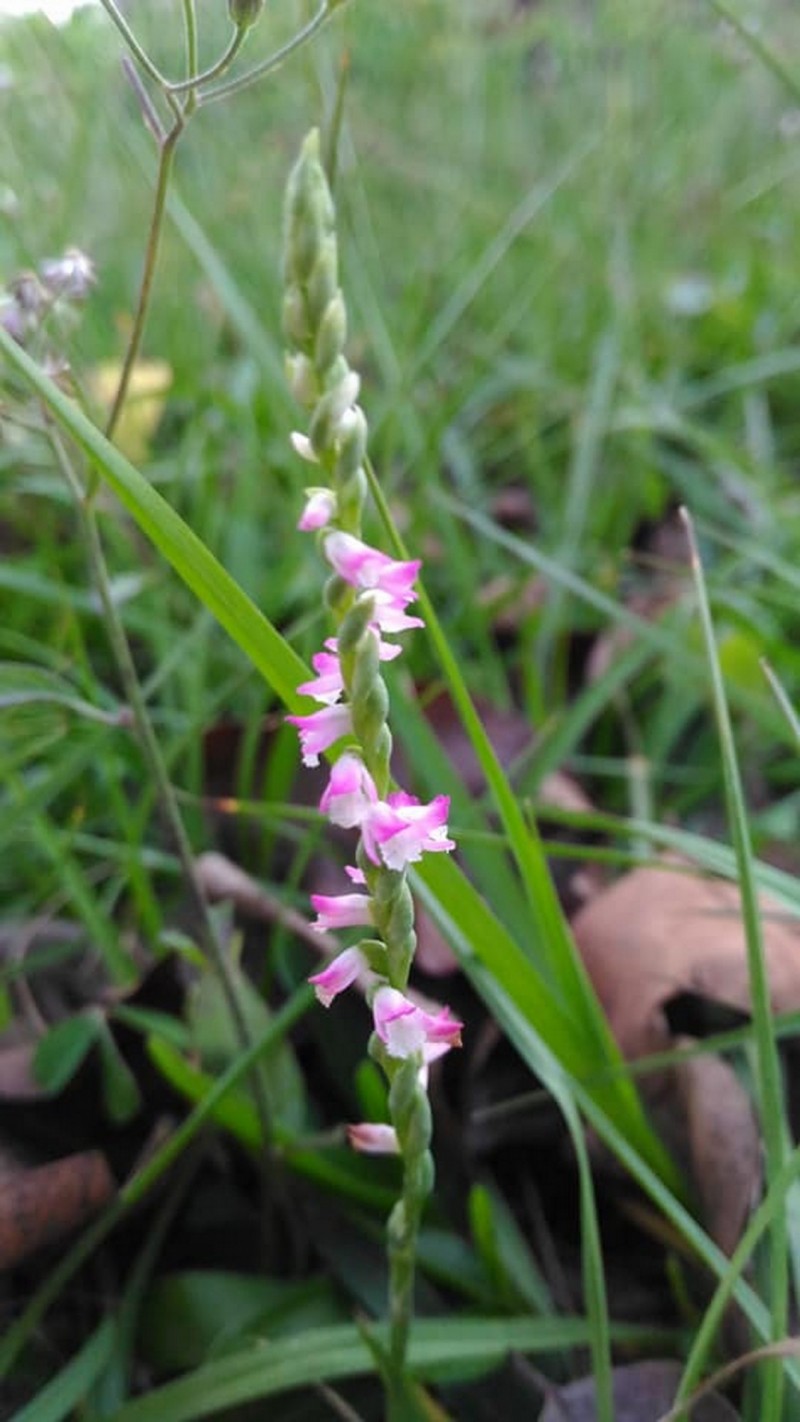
{"x": 568, "y": 244}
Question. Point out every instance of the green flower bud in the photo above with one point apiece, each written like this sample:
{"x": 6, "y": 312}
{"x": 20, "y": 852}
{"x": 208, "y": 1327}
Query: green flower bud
{"x": 323, "y": 282}
{"x": 352, "y": 446}
{"x": 302, "y": 380}
{"x": 244, "y": 13}
{"x": 331, "y": 333}
{"x": 295, "y": 323}
{"x": 309, "y": 212}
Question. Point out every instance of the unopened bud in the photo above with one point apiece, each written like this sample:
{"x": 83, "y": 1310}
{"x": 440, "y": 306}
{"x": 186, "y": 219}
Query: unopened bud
{"x": 244, "y": 13}
{"x": 302, "y": 380}
{"x": 323, "y": 283}
{"x": 352, "y": 445}
{"x": 331, "y": 334}
{"x": 309, "y": 212}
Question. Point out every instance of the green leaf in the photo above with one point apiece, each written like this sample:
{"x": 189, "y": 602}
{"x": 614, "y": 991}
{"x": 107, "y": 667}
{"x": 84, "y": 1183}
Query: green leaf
{"x": 439, "y": 1346}
{"x": 23, "y": 685}
{"x": 70, "y": 1386}
{"x": 192, "y": 561}
{"x": 61, "y": 1051}
{"x": 189, "y": 1316}
{"x": 218, "y": 1044}
{"x": 121, "y": 1093}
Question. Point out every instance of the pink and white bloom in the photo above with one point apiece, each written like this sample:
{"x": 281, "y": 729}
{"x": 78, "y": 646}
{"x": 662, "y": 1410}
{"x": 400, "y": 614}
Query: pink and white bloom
{"x": 327, "y": 686}
{"x": 372, "y": 1138}
{"x": 399, "y": 830}
{"x": 339, "y": 975}
{"x": 354, "y": 874}
{"x": 387, "y": 651}
{"x": 406, "y": 1029}
{"x": 389, "y": 614}
{"x": 321, "y": 730}
{"x": 341, "y": 911}
{"x": 320, "y": 507}
{"x": 366, "y": 567}
{"x": 350, "y": 793}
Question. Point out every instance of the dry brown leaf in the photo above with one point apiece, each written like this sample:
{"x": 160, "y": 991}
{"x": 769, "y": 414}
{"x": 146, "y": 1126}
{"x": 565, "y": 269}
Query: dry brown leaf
{"x": 724, "y": 1144}
{"x": 658, "y": 933}
{"x": 41, "y": 1204}
{"x": 642, "y": 1392}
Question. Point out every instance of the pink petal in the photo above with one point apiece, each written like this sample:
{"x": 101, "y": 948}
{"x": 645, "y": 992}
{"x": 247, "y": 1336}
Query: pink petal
{"x": 389, "y": 615}
{"x": 367, "y": 567}
{"x": 406, "y": 1029}
{"x": 400, "y": 830}
{"x": 319, "y": 509}
{"x": 340, "y": 974}
{"x": 321, "y": 730}
{"x": 327, "y": 686}
{"x": 350, "y": 792}
{"x": 371, "y": 1138}
{"x": 340, "y": 910}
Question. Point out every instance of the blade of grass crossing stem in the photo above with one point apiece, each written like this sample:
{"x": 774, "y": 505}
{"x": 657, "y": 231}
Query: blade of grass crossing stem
{"x": 199, "y": 569}
{"x": 283, "y": 669}
{"x": 135, "y": 1189}
{"x": 767, "y": 1076}
{"x": 581, "y": 481}
{"x": 594, "y": 1285}
{"x": 438, "y": 1346}
{"x": 715, "y": 1312}
{"x": 549, "y": 929}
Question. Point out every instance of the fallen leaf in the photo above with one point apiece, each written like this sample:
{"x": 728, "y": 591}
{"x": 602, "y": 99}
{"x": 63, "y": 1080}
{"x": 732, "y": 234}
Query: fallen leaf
{"x": 658, "y": 933}
{"x": 724, "y": 1144}
{"x": 41, "y": 1204}
{"x": 659, "y": 938}
{"x": 642, "y": 1392}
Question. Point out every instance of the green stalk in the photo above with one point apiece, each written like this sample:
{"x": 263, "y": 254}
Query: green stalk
{"x": 768, "y": 1075}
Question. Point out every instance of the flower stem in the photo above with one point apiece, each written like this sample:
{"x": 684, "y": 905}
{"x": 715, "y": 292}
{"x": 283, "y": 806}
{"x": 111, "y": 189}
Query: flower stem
{"x": 166, "y": 155}
{"x": 151, "y": 750}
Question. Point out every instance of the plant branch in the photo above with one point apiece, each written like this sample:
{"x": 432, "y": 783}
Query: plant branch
{"x": 234, "y": 86}
{"x": 166, "y": 156}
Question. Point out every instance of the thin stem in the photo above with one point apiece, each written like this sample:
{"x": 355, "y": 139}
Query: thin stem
{"x": 157, "y": 767}
{"x": 216, "y": 70}
{"x": 139, "y": 53}
{"x": 234, "y": 86}
{"x": 190, "y": 28}
{"x": 166, "y": 156}
{"x": 762, "y": 51}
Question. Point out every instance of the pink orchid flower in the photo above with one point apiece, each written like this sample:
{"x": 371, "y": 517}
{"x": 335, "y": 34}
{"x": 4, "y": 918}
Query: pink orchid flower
{"x": 320, "y": 506}
{"x": 406, "y": 1029}
{"x": 340, "y": 911}
{"x": 372, "y": 1138}
{"x": 339, "y": 975}
{"x": 399, "y": 830}
{"x": 350, "y": 792}
{"x": 327, "y": 686}
{"x": 321, "y": 730}
{"x": 389, "y": 614}
{"x": 366, "y": 567}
